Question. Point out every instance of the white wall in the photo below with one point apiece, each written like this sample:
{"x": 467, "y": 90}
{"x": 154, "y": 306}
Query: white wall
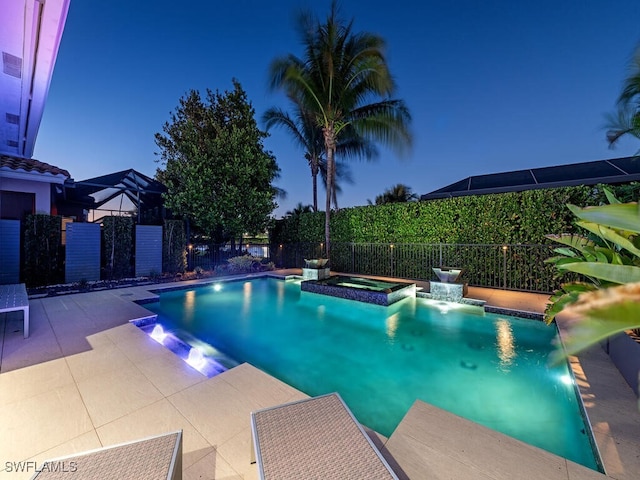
{"x": 41, "y": 189}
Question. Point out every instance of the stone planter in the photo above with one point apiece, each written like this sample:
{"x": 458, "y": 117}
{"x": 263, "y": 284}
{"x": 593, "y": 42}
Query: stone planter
{"x": 624, "y": 352}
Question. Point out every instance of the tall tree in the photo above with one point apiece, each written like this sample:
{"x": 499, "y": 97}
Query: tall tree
{"x": 306, "y": 133}
{"x": 342, "y": 175}
{"x": 399, "y": 193}
{"x": 626, "y": 120}
{"x": 344, "y": 80}
{"x": 218, "y": 174}
{"x": 299, "y": 210}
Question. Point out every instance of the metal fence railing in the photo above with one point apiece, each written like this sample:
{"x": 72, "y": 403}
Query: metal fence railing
{"x": 208, "y": 257}
{"x": 512, "y": 267}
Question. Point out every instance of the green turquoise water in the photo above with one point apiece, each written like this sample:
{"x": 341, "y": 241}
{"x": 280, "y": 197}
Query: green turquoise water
{"x": 491, "y": 369}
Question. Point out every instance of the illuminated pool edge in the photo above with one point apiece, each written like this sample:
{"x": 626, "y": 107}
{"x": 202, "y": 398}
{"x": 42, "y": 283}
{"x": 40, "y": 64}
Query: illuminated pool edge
{"x": 496, "y": 310}
{"x": 345, "y": 287}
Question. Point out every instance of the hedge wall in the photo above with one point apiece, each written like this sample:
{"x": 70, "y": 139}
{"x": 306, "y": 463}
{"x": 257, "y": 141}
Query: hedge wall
{"x": 42, "y": 250}
{"x": 174, "y": 247}
{"x": 514, "y": 217}
{"x": 117, "y": 247}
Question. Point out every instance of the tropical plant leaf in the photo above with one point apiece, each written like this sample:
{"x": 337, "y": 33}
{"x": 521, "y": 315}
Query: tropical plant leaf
{"x": 604, "y": 271}
{"x": 610, "y": 196}
{"x": 558, "y": 303}
{"x": 579, "y": 287}
{"x": 610, "y": 235}
{"x": 621, "y": 216}
{"x": 599, "y": 324}
{"x": 566, "y": 260}
{"x": 579, "y": 242}
{"x": 565, "y": 251}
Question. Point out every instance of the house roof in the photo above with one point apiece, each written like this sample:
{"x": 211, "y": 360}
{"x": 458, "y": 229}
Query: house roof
{"x": 31, "y": 169}
{"x": 612, "y": 171}
{"x": 30, "y": 35}
{"x": 143, "y": 191}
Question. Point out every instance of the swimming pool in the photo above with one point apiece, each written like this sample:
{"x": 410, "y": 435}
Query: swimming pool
{"x": 488, "y": 368}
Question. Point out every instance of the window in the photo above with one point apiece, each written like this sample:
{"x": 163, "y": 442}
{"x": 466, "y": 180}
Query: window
{"x": 16, "y": 205}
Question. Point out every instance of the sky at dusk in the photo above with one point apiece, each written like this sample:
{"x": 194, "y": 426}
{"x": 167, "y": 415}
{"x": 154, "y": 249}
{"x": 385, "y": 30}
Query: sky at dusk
{"x": 491, "y": 85}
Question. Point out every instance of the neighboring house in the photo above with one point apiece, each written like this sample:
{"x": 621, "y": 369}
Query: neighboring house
{"x": 613, "y": 171}
{"x": 30, "y": 186}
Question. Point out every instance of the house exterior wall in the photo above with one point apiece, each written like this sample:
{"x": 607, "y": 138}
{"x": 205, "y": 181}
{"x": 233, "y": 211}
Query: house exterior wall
{"x": 42, "y": 191}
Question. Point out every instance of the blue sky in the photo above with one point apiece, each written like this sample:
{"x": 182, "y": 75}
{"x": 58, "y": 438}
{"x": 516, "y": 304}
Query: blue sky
{"x": 491, "y": 85}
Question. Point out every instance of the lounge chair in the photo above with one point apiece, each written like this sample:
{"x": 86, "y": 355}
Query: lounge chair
{"x": 152, "y": 458}
{"x": 312, "y": 439}
{"x": 14, "y": 297}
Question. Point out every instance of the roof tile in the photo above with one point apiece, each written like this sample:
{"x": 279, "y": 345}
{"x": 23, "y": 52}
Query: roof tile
{"x": 30, "y": 165}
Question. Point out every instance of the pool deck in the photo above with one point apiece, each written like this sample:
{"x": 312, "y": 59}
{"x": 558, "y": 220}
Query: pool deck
{"x": 87, "y": 378}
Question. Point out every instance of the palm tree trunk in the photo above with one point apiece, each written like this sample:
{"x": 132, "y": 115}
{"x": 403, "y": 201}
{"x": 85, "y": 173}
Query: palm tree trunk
{"x": 314, "y": 176}
{"x": 334, "y": 191}
{"x": 330, "y": 144}
{"x": 327, "y": 213}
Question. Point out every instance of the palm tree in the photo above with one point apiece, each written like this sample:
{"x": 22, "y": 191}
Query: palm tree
{"x": 626, "y": 121}
{"x": 308, "y": 135}
{"x": 299, "y": 210}
{"x": 399, "y": 193}
{"x": 338, "y": 80}
{"x": 305, "y": 133}
{"x": 342, "y": 175}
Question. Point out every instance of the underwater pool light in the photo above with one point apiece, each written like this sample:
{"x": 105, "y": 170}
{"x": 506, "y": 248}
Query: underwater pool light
{"x": 196, "y": 358}
{"x": 158, "y": 333}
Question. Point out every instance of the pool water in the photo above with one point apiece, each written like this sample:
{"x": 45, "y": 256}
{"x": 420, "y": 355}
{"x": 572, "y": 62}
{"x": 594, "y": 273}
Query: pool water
{"x": 488, "y": 368}
{"x": 363, "y": 283}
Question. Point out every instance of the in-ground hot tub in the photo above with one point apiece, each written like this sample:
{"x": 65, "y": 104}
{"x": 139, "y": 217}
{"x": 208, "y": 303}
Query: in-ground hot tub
{"x": 366, "y": 290}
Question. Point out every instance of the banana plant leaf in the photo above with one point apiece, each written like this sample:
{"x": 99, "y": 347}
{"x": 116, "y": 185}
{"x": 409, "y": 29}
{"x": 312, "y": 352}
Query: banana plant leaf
{"x": 559, "y": 303}
{"x": 567, "y": 252}
{"x": 604, "y": 271}
{"x": 611, "y": 235}
{"x": 621, "y": 216}
{"x": 564, "y": 260}
{"x": 566, "y": 295}
{"x": 578, "y": 242}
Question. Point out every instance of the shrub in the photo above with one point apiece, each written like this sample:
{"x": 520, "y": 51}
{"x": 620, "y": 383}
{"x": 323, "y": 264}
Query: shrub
{"x": 117, "y": 247}
{"x": 244, "y": 264}
{"x": 41, "y": 250}
{"x": 174, "y": 245}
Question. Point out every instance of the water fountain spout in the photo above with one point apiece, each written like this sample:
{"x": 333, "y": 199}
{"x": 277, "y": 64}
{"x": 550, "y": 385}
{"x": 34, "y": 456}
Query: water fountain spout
{"x": 447, "y": 289}
{"x": 447, "y": 274}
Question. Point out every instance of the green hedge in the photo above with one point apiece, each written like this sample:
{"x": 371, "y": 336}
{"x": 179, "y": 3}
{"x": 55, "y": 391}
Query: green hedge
{"x": 174, "y": 247}
{"x": 514, "y": 217}
{"x": 42, "y": 250}
{"x": 117, "y": 247}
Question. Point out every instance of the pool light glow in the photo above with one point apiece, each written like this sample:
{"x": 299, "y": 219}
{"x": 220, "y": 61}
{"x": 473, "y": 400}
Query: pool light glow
{"x": 196, "y": 358}
{"x": 158, "y": 333}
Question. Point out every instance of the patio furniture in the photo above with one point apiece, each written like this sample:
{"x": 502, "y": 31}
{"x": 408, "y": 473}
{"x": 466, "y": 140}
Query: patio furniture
{"x": 152, "y": 458}
{"x": 14, "y": 297}
{"x": 315, "y": 438}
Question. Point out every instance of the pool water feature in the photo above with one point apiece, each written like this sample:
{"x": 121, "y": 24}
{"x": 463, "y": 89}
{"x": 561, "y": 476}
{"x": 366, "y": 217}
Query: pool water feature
{"x": 489, "y": 368}
{"x": 368, "y": 290}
